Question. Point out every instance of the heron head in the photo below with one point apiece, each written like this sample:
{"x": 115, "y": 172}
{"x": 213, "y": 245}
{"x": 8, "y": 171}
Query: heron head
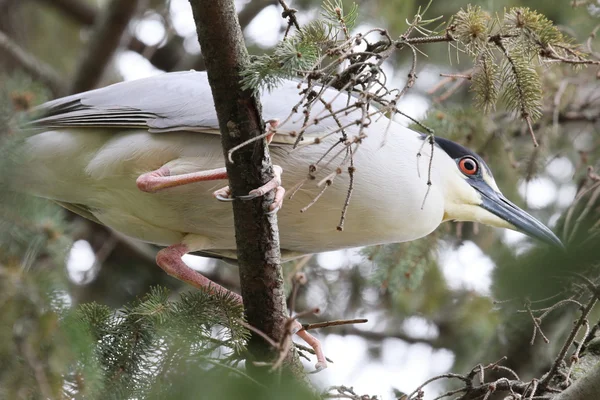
{"x": 471, "y": 194}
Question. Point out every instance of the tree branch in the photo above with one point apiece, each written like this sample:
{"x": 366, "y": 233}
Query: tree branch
{"x": 167, "y": 57}
{"x": 39, "y": 70}
{"x": 77, "y": 10}
{"x": 248, "y": 13}
{"x": 239, "y": 114}
{"x": 381, "y": 336}
{"x": 103, "y": 43}
{"x": 170, "y": 57}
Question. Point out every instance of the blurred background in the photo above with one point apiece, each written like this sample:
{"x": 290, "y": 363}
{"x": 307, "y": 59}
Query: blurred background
{"x": 430, "y": 303}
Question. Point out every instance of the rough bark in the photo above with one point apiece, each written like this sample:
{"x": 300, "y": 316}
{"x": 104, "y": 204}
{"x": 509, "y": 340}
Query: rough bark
{"x": 585, "y": 388}
{"x": 239, "y": 114}
{"x": 106, "y": 37}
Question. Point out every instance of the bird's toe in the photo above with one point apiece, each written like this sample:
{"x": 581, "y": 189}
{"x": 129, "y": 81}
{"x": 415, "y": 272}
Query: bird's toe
{"x": 320, "y": 366}
{"x": 223, "y": 194}
{"x": 273, "y": 184}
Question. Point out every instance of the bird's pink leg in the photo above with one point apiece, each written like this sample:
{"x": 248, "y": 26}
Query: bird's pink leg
{"x": 161, "y": 179}
{"x": 273, "y": 184}
{"x": 224, "y": 194}
{"x": 169, "y": 259}
{"x": 316, "y": 346}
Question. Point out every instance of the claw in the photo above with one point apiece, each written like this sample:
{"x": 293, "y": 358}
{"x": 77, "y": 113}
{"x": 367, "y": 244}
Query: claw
{"x": 249, "y": 196}
{"x": 271, "y": 129}
{"x": 224, "y": 199}
{"x": 319, "y": 367}
{"x": 278, "y": 200}
{"x": 312, "y": 342}
{"x": 223, "y": 194}
{"x": 296, "y": 327}
{"x": 273, "y": 184}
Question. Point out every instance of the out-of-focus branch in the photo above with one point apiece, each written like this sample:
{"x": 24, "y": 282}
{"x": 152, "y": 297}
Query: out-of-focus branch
{"x": 77, "y": 10}
{"x": 105, "y": 39}
{"x": 380, "y": 336}
{"x": 251, "y": 10}
{"x": 170, "y": 57}
{"x": 248, "y": 13}
{"x": 39, "y": 70}
{"x": 167, "y": 57}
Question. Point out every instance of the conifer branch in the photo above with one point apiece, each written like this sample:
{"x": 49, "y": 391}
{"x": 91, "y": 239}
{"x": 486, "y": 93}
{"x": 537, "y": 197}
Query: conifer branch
{"x": 289, "y": 14}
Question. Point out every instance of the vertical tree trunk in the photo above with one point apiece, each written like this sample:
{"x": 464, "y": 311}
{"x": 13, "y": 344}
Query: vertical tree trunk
{"x": 239, "y": 114}
{"x": 585, "y": 388}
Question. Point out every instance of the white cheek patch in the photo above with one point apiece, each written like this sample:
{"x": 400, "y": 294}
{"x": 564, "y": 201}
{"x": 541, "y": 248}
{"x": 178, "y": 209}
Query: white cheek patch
{"x": 473, "y": 213}
{"x": 489, "y": 180}
{"x": 465, "y": 194}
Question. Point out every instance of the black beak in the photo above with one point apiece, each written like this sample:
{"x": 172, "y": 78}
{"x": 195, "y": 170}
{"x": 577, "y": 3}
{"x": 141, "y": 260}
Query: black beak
{"x": 500, "y": 206}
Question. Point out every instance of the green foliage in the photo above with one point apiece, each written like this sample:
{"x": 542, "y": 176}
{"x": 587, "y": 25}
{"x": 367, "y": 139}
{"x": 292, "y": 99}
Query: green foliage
{"x": 297, "y": 53}
{"x": 579, "y": 227}
{"x": 334, "y": 15}
{"x": 472, "y": 27}
{"x": 485, "y": 82}
{"x": 28, "y": 226}
{"x": 532, "y": 27}
{"x": 521, "y": 85}
{"x": 461, "y": 124}
{"x": 36, "y": 349}
{"x": 301, "y": 51}
{"x": 154, "y": 339}
{"x": 514, "y": 41}
{"x": 146, "y": 350}
{"x": 401, "y": 266}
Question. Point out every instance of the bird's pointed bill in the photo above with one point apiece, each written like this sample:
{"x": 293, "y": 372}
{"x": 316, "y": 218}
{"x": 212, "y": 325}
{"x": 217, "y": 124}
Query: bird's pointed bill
{"x": 503, "y": 208}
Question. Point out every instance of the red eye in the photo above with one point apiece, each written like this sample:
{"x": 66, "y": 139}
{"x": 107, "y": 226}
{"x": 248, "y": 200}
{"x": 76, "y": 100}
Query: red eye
{"x": 468, "y": 166}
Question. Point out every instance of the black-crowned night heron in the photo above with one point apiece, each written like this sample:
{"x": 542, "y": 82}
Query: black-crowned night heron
{"x": 134, "y": 156}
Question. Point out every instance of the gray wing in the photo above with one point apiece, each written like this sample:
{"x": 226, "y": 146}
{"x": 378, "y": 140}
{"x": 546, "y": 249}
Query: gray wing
{"x": 180, "y": 101}
{"x": 168, "y": 102}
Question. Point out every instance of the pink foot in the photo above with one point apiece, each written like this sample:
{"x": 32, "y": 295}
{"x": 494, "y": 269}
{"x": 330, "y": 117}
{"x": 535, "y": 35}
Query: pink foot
{"x": 273, "y": 184}
{"x": 169, "y": 259}
{"x": 314, "y": 343}
{"x": 161, "y": 178}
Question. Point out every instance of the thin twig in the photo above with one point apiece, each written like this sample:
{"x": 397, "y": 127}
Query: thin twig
{"x": 338, "y": 322}
{"x": 569, "y": 342}
{"x": 351, "y": 170}
{"x": 289, "y": 14}
{"x": 109, "y": 29}
{"x": 260, "y": 333}
{"x": 536, "y": 324}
